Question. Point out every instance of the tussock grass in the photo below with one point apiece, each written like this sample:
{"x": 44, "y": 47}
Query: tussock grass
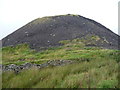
{"x": 79, "y": 75}
{"x": 96, "y": 67}
{"x": 71, "y": 51}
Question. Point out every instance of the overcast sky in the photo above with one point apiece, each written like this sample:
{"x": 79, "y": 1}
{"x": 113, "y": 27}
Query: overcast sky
{"x": 16, "y": 13}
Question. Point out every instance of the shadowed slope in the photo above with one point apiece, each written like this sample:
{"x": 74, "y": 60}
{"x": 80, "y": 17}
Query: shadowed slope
{"x": 48, "y": 31}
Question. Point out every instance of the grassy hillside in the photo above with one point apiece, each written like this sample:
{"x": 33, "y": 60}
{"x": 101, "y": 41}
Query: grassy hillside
{"x": 96, "y": 67}
{"x": 100, "y": 73}
{"x": 71, "y": 50}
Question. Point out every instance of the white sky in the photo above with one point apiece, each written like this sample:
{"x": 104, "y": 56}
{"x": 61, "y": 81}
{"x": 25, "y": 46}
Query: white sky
{"x": 16, "y": 13}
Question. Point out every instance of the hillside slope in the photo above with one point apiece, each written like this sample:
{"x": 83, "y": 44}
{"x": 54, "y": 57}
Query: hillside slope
{"x": 48, "y": 31}
{"x": 91, "y": 68}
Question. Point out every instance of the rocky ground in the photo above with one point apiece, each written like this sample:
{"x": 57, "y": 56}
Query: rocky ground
{"x": 48, "y": 31}
{"x": 18, "y": 68}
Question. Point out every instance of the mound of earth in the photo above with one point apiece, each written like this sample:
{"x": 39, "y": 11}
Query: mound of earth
{"x": 48, "y": 31}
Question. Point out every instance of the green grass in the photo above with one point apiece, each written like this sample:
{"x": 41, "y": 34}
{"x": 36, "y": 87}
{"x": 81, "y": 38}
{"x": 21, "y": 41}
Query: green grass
{"x": 96, "y": 67}
{"x": 98, "y": 73}
{"x": 70, "y": 51}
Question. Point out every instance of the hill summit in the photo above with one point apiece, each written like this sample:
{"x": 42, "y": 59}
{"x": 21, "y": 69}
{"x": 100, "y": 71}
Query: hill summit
{"x": 49, "y": 31}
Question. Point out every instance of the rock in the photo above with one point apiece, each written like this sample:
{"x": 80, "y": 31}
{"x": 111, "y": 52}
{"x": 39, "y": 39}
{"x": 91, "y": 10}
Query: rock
{"x": 18, "y": 68}
{"x": 0, "y": 66}
{"x": 27, "y": 65}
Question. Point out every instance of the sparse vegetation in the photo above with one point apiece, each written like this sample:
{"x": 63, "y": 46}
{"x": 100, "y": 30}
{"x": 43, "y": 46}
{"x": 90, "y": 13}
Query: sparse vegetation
{"x": 41, "y": 20}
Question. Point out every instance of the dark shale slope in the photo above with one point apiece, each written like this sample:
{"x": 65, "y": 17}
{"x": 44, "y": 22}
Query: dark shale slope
{"x": 48, "y": 31}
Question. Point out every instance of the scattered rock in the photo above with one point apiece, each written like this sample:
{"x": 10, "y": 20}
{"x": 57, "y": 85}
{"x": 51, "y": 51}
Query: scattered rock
{"x": 18, "y": 68}
{"x": 58, "y": 28}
